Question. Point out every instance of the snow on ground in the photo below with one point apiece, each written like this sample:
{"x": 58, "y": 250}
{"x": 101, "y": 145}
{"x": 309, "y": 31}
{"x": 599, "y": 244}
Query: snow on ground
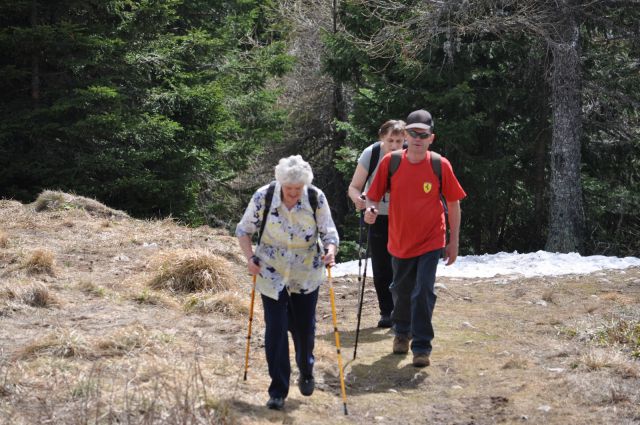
{"x": 539, "y": 263}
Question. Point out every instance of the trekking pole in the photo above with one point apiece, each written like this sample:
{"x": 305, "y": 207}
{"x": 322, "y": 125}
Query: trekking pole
{"x": 337, "y": 335}
{"x": 246, "y": 354}
{"x": 363, "y": 280}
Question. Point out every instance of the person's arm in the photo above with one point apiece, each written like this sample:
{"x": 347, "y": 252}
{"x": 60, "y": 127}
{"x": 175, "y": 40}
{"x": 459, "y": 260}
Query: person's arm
{"x": 376, "y": 191}
{"x": 451, "y": 250}
{"x": 248, "y": 225}
{"x": 327, "y": 230}
{"x": 253, "y": 263}
{"x": 355, "y": 187}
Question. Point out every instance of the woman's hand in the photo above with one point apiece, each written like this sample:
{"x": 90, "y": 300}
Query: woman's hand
{"x": 253, "y": 265}
{"x": 329, "y": 257}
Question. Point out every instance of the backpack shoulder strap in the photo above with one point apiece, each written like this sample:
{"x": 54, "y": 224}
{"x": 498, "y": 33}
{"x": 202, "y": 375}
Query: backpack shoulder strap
{"x": 312, "y": 194}
{"x": 394, "y": 163}
{"x": 373, "y": 161}
{"x": 436, "y": 164}
{"x": 267, "y": 207}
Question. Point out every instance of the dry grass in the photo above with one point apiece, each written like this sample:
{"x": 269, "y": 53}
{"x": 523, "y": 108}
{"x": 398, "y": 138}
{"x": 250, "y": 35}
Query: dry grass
{"x": 516, "y": 363}
{"x": 151, "y": 297}
{"x": 4, "y": 239}
{"x": 228, "y": 303}
{"x": 158, "y": 392}
{"x": 548, "y": 296}
{"x": 192, "y": 271}
{"x": 111, "y": 360}
{"x": 125, "y": 341}
{"x": 91, "y": 288}
{"x": 62, "y": 343}
{"x": 40, "y": 261}
{"x": 38, "y": 295}
{"x": 50, "y": 200}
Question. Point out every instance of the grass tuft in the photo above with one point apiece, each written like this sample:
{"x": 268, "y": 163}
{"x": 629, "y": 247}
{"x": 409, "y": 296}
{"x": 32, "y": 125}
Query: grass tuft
{"x": 227, "y": 303}
{"x": 51, "y": 200}
{"x": 125, "y": 341}
{"x": 153, "y": 298}
{"x": 41, "y": 261}
{"x": 625, "y": 333}
{"x": 38, "y": 295}
{"x": 65, "y": 343}
{"x": 91, "y": 288}
{"x": 192, "y": 271}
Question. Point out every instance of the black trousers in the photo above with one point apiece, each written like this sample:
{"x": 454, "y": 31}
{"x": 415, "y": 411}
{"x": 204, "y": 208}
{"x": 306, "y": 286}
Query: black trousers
{"x": 295, "y": 313}
{"x": 381, "y": 263}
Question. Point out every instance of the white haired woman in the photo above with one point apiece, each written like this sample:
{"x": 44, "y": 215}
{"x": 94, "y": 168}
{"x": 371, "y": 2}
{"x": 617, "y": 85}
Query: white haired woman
{"x": 289, "y": 264}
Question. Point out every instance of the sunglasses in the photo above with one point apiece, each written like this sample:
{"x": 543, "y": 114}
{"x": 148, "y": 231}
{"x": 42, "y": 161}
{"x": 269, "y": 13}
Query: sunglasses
{"x": 415, "y": 134}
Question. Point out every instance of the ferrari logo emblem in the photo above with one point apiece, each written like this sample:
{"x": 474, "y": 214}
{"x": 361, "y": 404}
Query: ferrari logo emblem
{"x": 426, "y": 187}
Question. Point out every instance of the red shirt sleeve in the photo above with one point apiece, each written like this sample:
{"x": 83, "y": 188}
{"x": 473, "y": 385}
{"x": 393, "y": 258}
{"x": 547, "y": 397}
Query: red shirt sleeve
{"x": 451, "y": 188}
{"x": 379, "y": 184}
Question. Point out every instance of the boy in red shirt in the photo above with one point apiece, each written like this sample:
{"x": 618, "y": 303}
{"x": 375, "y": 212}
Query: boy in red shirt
{"x": 417, "y": 233}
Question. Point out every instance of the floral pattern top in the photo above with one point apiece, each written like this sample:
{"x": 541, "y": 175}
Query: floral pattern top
{"x": 289, "y": 253}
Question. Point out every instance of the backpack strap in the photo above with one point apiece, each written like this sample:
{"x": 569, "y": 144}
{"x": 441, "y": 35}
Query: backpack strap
{"x": 394, "y": 163}
{"x": 436, "y": 164}
{"x": 373, "y": 161}
{"x": 267, "y": 207}
{"x": 312, "y": 194}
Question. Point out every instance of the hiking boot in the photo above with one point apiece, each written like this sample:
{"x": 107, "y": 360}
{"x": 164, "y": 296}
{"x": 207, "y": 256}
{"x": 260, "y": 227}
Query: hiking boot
{"x": 306, "y": 385}
{"x": 400, "y": 344}
{"x": 275, "y": 403}
{"x": 385, "y": 321}
{"x": 421, "y": 360}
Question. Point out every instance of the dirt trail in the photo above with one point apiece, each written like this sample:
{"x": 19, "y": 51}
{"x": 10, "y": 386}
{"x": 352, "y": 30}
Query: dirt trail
{"x": 110, "y": 350}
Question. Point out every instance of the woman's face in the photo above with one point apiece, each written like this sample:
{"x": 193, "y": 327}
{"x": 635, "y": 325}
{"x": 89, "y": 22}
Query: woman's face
{"x": 393, "y": 141}
{"x": 292, "y": 193}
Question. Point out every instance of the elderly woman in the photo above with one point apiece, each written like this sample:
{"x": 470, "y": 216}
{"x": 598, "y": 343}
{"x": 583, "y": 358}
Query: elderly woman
{"x": 289, "y": 264}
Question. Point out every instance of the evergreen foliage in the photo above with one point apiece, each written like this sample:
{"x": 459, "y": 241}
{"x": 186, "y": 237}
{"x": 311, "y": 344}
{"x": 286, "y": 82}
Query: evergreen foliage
{"x": 489, "y": 94}
{"x": 150, "y": 106}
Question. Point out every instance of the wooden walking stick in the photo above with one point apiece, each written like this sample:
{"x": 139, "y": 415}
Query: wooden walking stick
{"x": 337, "y": 335}
{"x": 246, "y": 354}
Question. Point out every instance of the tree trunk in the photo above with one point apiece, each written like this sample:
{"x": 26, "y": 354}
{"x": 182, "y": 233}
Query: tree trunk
{"x": 566, "y": 219}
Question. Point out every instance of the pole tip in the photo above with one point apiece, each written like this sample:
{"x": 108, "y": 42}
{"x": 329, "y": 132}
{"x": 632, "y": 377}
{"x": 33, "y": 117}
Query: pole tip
{"x": 346, "y": 413}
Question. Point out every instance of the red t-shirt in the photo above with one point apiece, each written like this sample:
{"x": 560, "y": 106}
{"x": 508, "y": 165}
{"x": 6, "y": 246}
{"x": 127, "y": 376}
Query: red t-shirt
{"x": 416, "y": 214}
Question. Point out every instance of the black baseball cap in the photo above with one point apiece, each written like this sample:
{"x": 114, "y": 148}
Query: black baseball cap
{"x": 420, "y": 119}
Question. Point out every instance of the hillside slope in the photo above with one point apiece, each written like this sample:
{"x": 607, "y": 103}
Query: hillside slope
{"x": 95, "y": 329}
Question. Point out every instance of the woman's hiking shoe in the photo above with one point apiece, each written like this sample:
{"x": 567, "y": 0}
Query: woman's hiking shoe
{"x": 421, "y": 360}
{"x": 385, "y": 321}
{"x": 275, "y": 403}
{"x": 400, "y": 344}
{"x": 306, "y": 385}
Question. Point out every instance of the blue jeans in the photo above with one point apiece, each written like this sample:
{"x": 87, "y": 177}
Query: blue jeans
{"x": 297, "y": 314}
{"x": 414, "y": 299}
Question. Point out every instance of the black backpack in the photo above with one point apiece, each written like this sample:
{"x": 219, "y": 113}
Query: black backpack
{"x": 312, "y": 193}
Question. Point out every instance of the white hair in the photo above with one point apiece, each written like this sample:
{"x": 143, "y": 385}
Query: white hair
{"x": 294, "y": 170}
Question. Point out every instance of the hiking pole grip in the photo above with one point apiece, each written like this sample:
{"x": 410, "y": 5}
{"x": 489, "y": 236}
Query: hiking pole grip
{"x": 337, "y": 337}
